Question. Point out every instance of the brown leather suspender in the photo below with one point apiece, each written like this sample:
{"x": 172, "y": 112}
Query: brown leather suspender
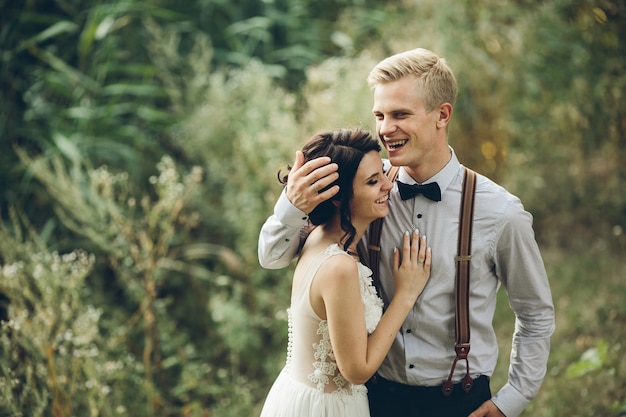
{"x": 463, "y": 258}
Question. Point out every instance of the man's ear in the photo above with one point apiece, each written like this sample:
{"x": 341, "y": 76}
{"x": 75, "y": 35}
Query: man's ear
{"x": 445, "y": 114}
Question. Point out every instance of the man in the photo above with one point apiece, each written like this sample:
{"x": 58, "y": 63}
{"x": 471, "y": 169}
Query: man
{"x": 414, "y": 95}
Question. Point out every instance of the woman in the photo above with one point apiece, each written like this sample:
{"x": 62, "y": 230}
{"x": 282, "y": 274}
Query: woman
{"x": 338, "y": 335}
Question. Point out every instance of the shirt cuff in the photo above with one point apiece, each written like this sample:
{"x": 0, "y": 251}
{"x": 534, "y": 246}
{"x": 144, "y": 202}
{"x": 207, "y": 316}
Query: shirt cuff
{"x": 510, "y": 401}
{"x": 287, "y": 213}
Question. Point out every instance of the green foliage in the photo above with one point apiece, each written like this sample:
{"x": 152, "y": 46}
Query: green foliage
{"x": 586, "y": 371}
{"x": 135, "y": 236}
{"x": 287, "y": 35}
{"x": 591, "y": 360}
{"x": 77, "y": 82}
{"x": 163, "y": 259}
{"x": 244, "y": 127}
{"x": 50, "y": 348}
{"x": 564, "y": 85}
{"x": 337, "y": 94}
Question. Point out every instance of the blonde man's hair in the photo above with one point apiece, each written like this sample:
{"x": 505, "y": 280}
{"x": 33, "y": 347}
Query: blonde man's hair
{"x": 433, "y": 77}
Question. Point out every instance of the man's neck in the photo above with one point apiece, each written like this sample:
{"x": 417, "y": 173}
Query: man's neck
{"x": 424, "y": 172}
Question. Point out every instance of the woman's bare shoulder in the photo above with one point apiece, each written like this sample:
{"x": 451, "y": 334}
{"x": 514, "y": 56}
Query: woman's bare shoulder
{"x": 341, "y": 266}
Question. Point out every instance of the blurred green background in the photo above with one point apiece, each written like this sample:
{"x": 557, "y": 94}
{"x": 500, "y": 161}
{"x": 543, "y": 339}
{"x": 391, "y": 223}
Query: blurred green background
{"x": 139, "y": 146}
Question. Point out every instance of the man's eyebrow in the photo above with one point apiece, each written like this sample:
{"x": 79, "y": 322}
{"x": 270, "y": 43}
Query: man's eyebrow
{"x": 398, "y": 110}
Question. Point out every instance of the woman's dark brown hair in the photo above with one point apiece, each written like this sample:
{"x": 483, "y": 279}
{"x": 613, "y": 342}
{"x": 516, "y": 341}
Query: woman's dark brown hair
{"x": 345, "y": 147}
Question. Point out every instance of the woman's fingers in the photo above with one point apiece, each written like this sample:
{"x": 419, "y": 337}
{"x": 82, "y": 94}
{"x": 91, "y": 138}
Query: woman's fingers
{"x": 421, "y": 257}
{"x": 428, "y": 257}
{"x": 410, "y": 248}
{"x": 415, "y": 251}
{"x": 396, "y": 259}
{"x": 406, "y": 247}
{"x": 415, "y": 246}
{"x": 425, "y": 256}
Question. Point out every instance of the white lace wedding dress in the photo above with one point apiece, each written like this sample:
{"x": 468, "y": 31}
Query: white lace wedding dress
{"x": 310, "y": 384}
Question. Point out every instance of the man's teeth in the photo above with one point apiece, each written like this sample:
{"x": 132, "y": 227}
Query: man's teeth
{"x": 396, "y": 143}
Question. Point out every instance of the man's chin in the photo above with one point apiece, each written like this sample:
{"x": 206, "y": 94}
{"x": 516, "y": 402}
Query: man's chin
{"x": 395, "y": 160}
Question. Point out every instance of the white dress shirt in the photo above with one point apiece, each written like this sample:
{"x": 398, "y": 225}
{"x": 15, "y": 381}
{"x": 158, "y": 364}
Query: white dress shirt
{"x": 504, "y": 252}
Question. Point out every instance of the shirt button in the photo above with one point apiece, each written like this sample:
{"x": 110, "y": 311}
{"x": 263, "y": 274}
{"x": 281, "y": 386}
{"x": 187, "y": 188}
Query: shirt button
{"x": 304, "y": 218}
{"x": 411, "y": 366}
{"x": 408, "y": 330}
{"x": 419, "y": 216}
{"x": 286, "y": 240}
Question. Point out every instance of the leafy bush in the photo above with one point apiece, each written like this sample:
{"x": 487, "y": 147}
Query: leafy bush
{"x": 51, "y": 355}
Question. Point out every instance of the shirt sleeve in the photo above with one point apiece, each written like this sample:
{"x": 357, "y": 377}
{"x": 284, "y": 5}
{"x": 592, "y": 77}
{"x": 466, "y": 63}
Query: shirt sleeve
{"x": 279, "y": 239}
{"x": 520, "y": 268}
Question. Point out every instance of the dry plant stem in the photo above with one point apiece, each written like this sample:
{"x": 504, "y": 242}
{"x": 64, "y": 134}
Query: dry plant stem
{"x": 60, "y": 406}
{"x": 149, "y": 335}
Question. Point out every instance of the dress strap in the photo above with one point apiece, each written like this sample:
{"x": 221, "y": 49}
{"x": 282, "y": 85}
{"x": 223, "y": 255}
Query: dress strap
{"x": 312, "y": 269}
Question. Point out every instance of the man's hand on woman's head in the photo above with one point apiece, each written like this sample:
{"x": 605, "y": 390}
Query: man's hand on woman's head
{"x": 306, "y": 180}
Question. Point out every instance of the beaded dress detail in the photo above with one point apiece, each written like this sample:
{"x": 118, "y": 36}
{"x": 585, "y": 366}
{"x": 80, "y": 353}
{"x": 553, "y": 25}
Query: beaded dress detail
{"x": 311, "y": 377}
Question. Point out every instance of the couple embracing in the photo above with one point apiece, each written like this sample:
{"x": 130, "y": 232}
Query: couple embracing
{"x": 358, "y": 350}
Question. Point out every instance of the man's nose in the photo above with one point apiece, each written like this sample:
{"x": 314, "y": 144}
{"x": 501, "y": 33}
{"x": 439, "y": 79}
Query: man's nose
{"x": 386, "y": 126}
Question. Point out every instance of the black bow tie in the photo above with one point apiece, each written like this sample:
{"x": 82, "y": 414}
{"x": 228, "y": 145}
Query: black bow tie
{"x": 430, "y": 190}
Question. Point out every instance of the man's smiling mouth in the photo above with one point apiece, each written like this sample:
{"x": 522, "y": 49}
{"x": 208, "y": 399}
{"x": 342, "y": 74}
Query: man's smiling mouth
{"x": 395, "y": 144}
